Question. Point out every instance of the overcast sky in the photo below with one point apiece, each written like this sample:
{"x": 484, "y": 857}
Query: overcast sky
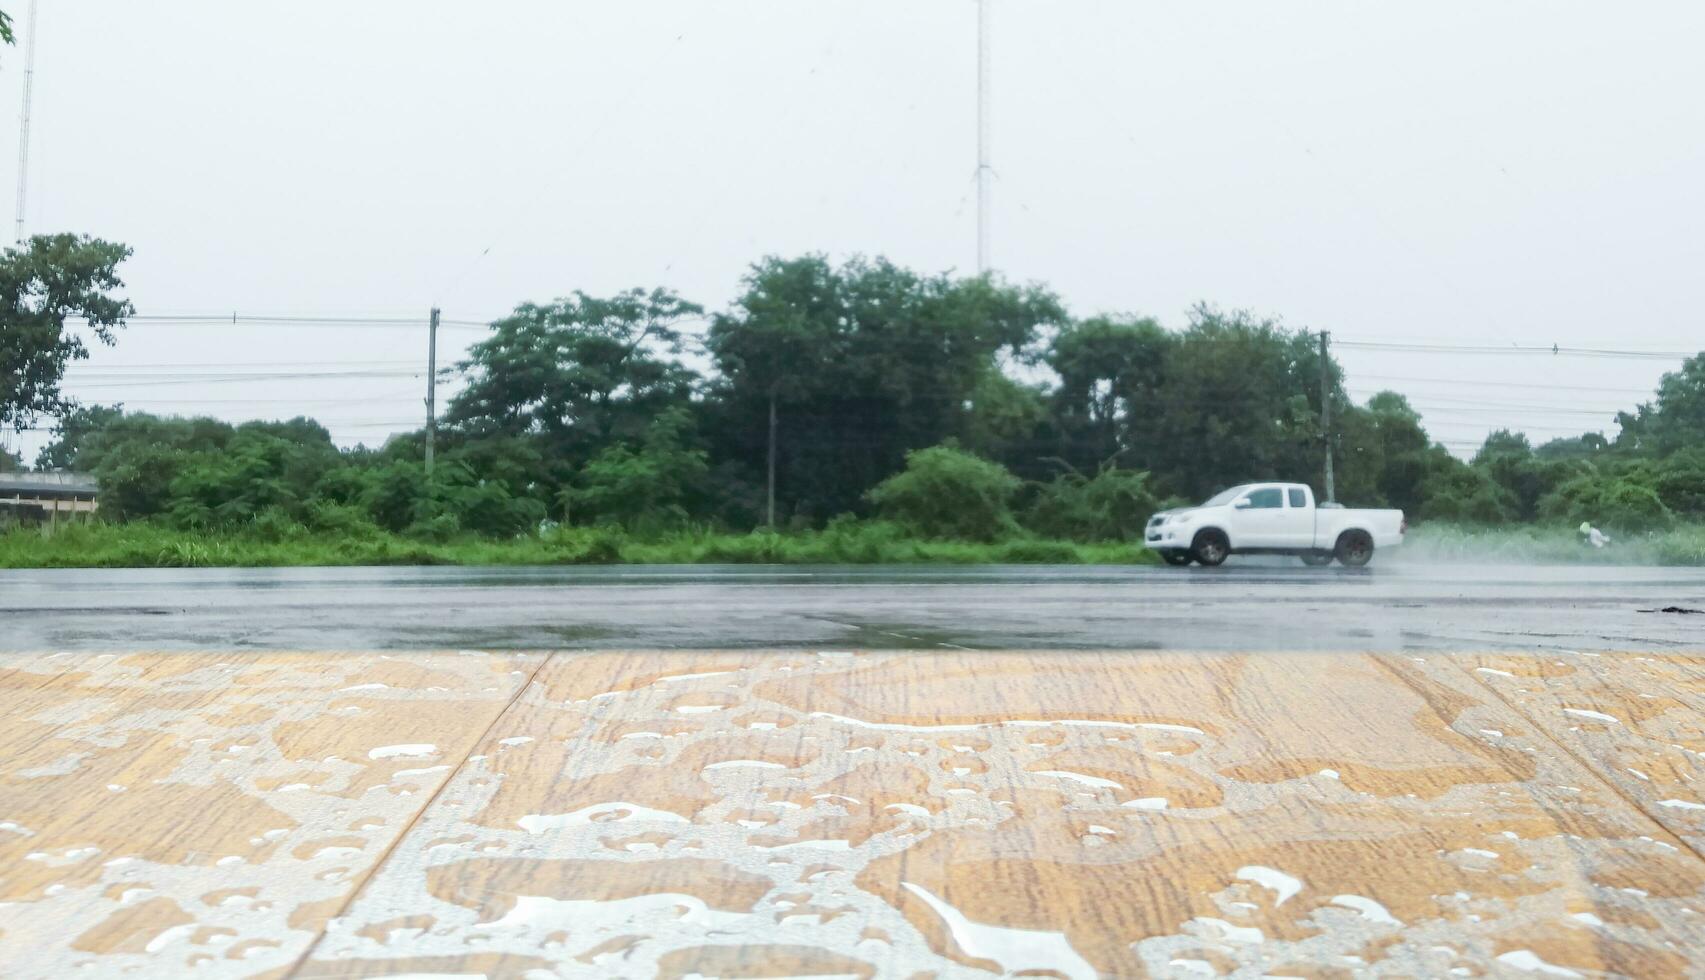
{"x": 1450, "y": 172}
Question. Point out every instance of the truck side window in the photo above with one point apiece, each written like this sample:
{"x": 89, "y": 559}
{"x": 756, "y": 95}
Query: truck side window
{"x": 1267, "y": 497}
{"x": 1297, "y": 498}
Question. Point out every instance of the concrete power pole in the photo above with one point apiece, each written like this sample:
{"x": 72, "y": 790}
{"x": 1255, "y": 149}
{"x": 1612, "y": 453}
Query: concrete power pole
{"x": 985, "y": 169}
{"x": 24, "y": 126}
{"x": 770, "y": 504}
{"x": 431, "y": 389}
{"x": 1326, "y": 416}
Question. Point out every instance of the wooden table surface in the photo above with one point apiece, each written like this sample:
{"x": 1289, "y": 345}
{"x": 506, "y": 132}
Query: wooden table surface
{"x": 905, "y": 814}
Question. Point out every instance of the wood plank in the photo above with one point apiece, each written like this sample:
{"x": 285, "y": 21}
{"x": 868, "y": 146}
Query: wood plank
{"x": 1638, "y": 720}
{"x": 169, "y": 813}
{"x": 1074, "y": 814}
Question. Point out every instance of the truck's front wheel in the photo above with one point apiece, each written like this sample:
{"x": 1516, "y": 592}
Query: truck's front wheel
{"x": 1210, "y": 548}
{"x": 1354, "y": 549}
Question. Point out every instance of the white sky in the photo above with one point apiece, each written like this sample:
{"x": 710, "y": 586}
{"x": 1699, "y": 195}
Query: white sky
{"x": 1504, "y": 172}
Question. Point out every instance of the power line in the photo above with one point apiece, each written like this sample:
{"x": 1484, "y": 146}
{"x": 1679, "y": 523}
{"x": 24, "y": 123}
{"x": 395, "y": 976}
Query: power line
{"x": 307, "y": 399}
{"x": 1506, "y": 384}
{"x": 227, "y": 367}
{"x": 1553, "y": 350}
{"x": 239, "y": 319}
{"x": 1501, "y": 406}
{"x": 247, "y": 378}
{"x": 334, "y": 426}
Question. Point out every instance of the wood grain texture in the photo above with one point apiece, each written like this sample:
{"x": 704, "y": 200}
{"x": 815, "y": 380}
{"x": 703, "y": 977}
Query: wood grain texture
{"x": 848, "y": 814}
{"x": 974, "y": 814}
{"x": 167, "y": 813}
{"x": 1636, "y": 719}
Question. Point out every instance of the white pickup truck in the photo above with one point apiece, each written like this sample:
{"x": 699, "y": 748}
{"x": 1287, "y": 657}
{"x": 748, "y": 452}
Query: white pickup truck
{"x": 1272, "y": 519}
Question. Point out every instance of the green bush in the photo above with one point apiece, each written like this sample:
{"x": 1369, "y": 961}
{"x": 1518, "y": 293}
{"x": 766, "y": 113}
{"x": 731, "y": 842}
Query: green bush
{"x": 1610, "y": 502}
{"x": 1114, "y": 505}
{"x": 1035, "y": 552}
{"x": 757, "y": 548}
{"x": 196, "y": 554}
{"x": 394, "y": 493}
{"x": 1465, "y": 495}
{"x": 275, "y": 524}
{"x": 345, "y": 520}
{"x": 1551, "y": 544}
{"x": 439, "y": 527}
{"x": 848, "y": 539}
{"x": 579, "y": 546}
{"x": 1680, "y": 483}
{"x": 484, "y": 507}
{"x": 644, "y": 490}
{"x": 136, "y": 480}
{"x": 947, "y": 493}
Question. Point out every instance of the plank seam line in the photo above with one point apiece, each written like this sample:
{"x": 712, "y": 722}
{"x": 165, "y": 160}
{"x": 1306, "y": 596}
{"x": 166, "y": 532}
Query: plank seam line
{"x": 1585, "y": 764}
{"x": 408, "y": 828}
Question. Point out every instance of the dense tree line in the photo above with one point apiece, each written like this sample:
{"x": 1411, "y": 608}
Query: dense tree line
{"x": 959, "y": 407}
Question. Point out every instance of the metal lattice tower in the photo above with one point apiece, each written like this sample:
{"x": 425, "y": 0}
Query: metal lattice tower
{"x": 985, "y": 170}
{"x": 24, "y": 126}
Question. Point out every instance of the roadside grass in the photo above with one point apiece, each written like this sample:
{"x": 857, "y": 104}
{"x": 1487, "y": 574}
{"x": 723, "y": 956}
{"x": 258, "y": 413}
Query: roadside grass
{"x": 143, "y": 545}
{"x": 1547, "y": 545}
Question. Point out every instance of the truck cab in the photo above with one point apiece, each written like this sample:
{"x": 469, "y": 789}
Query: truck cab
{"x": 1273, "y": 519}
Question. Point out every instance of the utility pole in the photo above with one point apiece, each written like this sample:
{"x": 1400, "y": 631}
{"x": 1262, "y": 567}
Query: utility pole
{"x": 771, "y": 511}
{"x": 1326, "y": 416}
{"x": 24, "y": 126}
{"x": 985, "y": 169}
{"x": 431, "y": 390}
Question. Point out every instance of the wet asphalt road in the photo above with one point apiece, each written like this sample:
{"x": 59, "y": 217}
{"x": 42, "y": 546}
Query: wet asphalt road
{"x": 1243, "y": 606}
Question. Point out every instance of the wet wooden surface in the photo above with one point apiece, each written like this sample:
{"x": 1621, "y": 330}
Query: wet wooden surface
{"x": 895, "y": 814}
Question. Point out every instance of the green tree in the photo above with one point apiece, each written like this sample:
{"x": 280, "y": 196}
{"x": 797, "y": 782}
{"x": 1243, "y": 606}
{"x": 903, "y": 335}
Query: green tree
{"x": 645, "y": 489}
{"x": 1587, "y": 446}
{"x": 1112, "y": 505}
{"x": 135, "y": 456}
{"x": 1680, "y": 482}
{"x": 1111, "y": 371}
{"x": 864, "y": 363}
{"x": 1455, "y": 491}
{"x": 947, "y": 493}
{"x": 1008, "y": 421}
{"x": 1402, "y": 453}
{"x": 576, "y": 375}
{"x": 1676, "y": 420}
{"x": 264, "y": 466}
{"x": 42, "y": 285}
{"x": 1241, "y": 402}
{"x": 779, "y": 339}
{"x": 78, "y": 425}
{"x": 136, "y": 479}
{"x": 1509, "y": 459}
{"x": 1606, "y": 501}
{"x": 395, "y": 494}
{"x": 461, "y": 499}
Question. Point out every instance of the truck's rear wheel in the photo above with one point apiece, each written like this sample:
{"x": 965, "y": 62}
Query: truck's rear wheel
{"x": 1210, "y": 548}
{"x": 1316, "y": 559}
{"x": 1176, "y": 557}
{"x": 1354, "y": 549}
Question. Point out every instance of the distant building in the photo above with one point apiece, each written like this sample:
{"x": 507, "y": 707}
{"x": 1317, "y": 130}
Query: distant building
{"x": 46, "y": 498}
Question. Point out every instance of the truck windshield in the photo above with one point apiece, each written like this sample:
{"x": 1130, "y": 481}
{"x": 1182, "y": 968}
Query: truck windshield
{"x": 1225, "y": 496}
